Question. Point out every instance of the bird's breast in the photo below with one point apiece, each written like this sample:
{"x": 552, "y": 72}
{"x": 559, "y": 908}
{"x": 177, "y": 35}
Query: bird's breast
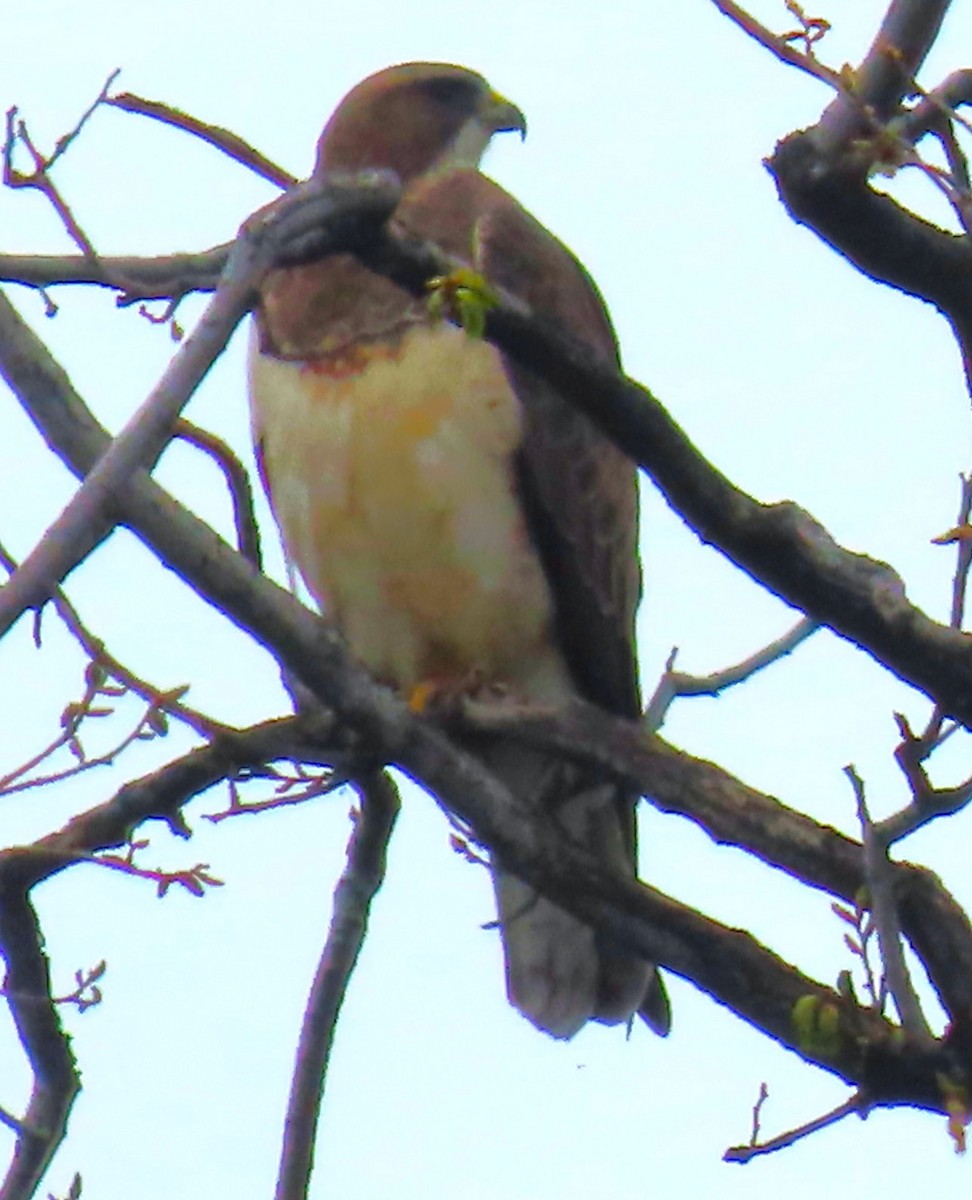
{"x": 391, "y": 472}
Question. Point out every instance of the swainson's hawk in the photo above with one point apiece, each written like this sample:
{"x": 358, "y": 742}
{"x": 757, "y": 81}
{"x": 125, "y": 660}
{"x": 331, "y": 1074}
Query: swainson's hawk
{"x": 445, "y": 507}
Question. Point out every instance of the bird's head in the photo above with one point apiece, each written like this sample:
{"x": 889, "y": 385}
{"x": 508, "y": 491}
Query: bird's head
{"x": 415, "y": 118}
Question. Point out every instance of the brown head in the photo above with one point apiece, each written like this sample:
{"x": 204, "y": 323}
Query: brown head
{"x": 414, "y": 118}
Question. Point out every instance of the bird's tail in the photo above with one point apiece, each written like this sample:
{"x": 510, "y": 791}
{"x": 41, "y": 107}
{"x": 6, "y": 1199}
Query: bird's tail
{"x": 560, "y": 973}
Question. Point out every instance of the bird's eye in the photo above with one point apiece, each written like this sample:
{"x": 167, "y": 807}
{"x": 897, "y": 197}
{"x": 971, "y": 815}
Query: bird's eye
{"x": 448, "y": 92}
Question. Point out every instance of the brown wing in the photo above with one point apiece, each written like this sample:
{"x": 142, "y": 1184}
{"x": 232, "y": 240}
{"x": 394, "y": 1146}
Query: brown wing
{"x": 581, "y": 502}
{"x": 579, "y": 491}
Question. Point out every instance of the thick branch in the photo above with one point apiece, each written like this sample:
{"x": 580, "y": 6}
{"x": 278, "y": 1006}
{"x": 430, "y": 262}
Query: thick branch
{"x": 822, "y": 172}
{"x": 731, "y": 813}
{"x": 881, "y": 239}
{"x": 935, "y": 106}
{"x": 780, "y": 545}
{"x": 56, "y": 1082}
{"x": 907, "y": 33}
{"x": 83, "y": 523}
{"x": 138, "y": 278}
{"x": 729, "y": 964}
{"x": 162, "y": 794}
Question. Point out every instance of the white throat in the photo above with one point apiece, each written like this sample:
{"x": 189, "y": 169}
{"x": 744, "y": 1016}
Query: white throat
{"x": 467, "y": 148}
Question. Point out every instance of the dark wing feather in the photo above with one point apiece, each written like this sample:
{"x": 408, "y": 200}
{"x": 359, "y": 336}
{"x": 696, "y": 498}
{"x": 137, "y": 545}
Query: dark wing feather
{"x": 579, "y": 491}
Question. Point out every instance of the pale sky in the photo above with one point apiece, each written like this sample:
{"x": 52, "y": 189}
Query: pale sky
{"x": 797, "y": 377}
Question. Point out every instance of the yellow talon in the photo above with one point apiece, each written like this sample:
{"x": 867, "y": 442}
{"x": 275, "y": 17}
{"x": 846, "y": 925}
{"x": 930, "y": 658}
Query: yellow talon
{"x": 421, "y": 696}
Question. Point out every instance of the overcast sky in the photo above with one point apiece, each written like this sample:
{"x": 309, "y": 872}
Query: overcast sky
{"x": 648, "y": 124}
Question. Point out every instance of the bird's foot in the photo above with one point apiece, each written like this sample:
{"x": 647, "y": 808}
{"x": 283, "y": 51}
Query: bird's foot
{"x": 439, "y": 694}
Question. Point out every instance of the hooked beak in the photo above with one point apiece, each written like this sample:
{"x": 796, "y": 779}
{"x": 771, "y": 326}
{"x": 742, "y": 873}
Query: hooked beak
{"x": 503, "y": 116}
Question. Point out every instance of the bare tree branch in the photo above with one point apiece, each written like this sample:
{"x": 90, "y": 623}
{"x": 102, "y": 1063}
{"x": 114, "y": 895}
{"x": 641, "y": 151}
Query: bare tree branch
{"x": 353, "y": 895}
{"x": 744, "y": 1154}
{"x": 673, "y": 684}
{"x": 64, "y": 142}
{"x": 779, "y": 544}
{"x": 927, "y": 802}
{"x": 99, "y": 655}
{"x": 30, "y": 998}
{"x": 880, "y": 887}
{"x": 731, "y": 813}
{"x": 237, "y": 481}
{"x": 214, "y": 135}
{"x": 942, "y": 101}
{"x": 83, "y": 522}
{"x": 40, "y": 177}
{"x": 137, "y": 278}
{"x": 725, "y": 962}
{"x": 907, "y": 33}
{"x": 882, "y": 239}
{"x": 777, "y": 44}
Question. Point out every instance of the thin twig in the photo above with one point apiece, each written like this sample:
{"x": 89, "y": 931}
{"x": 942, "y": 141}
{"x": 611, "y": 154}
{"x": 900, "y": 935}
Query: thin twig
{"x": 237, "y": 481}
{"x": 166, "y": 317}
{"x": 161, "y": 795}
{"x": 65, "y": 140}
{"x": 960, "y": 580}
{"x": 955, "y": 156}
{"x": 745, "y": 1154}
{"x": 324, "y": 785}
{"x": 42, "y": 182}
{"x": 958, "y": 199}
{"x": 927, "y": 802}
{"x": 353, "y": 895}
{"x": 673, "y": 684}
{"x": 919, "y": 748}
{"x": 811, "y": 31}
{"x": 862, "y": 920}
{"x": 880, "y": 886}
{"x": 194, "y": 879}
{"x": 214, "y": 135}
{"x": 14, "y": 783}
{"x": 758, "y": 1112}
{"x": 11, "y": 1121}
{"x": 167, "y": 700}
{"x": 778, "y": 44}
{"x": 86, "y": 994}
{"x": 40, "y": 178}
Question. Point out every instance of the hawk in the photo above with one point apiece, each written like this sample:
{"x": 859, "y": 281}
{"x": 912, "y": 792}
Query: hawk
{"x": 451, "y": 513}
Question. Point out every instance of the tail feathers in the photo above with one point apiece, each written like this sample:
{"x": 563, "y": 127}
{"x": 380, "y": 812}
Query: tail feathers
{"x": 559, "y": 973}
{"x": 655, "y": 1009}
